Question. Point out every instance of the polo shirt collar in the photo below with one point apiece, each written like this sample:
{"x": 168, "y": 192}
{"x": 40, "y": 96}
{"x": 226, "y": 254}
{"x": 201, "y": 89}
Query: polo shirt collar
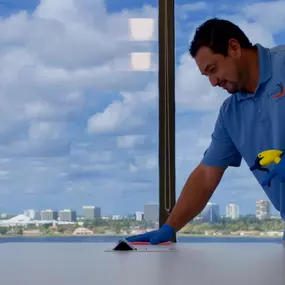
{"x": 265, "y": 70}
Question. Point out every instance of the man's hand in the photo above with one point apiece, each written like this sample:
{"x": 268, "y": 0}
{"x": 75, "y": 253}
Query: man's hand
{"x": 194, "y": 196}
{"x": 277, "y": 171}
{"x": 164, "y": 234}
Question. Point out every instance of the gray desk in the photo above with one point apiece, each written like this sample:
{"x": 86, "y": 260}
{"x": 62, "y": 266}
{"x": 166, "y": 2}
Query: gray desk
{"x": 87, "y": 263}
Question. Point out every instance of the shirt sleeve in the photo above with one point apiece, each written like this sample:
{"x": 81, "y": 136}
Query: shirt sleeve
{"x": 221, "y": 151}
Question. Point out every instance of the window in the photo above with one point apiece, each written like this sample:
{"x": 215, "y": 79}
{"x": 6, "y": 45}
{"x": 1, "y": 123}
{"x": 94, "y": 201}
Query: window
{"x": 83, "y": 105}
{"x": 197, "y": 107}
{"x": 79, "y": 118}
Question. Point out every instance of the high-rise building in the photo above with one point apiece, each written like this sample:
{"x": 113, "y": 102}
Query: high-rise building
{"x": 117, "y": 217}
{"x": 232, "y": 211}
{"x": 262, "y": 209}
{"x": 91, "y": 212}
{"x": 211, "y": 213}
{"x": 198, "y": 217}
{"x": 49, "y": 215}
{"x": 67, "y": 215}
{"x": 151, "y": 213}
{"x": 34, "y": 215}
{"x": 139, "y": 216}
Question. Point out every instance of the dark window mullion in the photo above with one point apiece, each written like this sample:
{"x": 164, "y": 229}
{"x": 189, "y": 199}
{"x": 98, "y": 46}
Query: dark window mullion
{"x": 166, "y": 109}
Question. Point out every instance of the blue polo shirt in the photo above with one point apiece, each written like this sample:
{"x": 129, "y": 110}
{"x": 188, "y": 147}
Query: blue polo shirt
{"x": 248, "y": 124}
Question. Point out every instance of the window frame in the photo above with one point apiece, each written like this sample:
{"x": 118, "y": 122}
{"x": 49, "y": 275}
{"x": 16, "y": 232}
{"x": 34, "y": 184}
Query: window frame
{"x": 166, "y": 97}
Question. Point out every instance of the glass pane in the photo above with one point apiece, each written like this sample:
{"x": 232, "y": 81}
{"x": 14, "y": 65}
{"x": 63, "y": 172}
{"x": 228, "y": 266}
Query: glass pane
{"x": 79, "y": 130}
{"x": 197, "y": 107}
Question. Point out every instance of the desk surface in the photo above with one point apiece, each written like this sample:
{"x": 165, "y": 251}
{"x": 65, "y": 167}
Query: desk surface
{"x": 197, "y": 264}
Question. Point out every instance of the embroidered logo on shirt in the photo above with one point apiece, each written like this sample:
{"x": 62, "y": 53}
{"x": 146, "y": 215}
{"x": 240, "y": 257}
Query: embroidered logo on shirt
{"x": 278, "y": 92}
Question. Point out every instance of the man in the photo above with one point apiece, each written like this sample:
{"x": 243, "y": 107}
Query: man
{"x": 250, "y": 121}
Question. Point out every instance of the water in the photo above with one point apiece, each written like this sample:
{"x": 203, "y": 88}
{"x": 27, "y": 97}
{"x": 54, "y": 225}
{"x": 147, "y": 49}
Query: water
{"x": 112, "y": 239}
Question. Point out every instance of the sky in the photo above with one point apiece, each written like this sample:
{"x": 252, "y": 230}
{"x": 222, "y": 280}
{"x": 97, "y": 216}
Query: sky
{"x": 79, "y": 127}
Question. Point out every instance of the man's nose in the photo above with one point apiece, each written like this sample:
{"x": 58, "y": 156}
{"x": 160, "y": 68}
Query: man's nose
{"x": 213, "y": 80}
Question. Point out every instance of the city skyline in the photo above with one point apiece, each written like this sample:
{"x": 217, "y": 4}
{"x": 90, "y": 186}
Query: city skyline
{"x": 79, "y": 117}
{"x": 79, "y": 209}
{"x": 260, "y": 206}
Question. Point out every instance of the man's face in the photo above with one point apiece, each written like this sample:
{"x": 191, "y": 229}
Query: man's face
{"x": 225, "y": 72}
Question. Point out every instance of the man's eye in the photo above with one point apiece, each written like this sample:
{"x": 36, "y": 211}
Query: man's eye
{"x": 212, "y": 69}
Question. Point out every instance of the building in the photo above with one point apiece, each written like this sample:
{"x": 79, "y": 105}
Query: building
{"x": 83, "y": 232}
{"x": 197, "y": 218}
{"x": 8, "y": 215}
{"x": 211, "y": 213}
{"x": 31, "y": 233}
{"x": 24, "y": 221}
{"x": 262, "y": 209}
{"x": 17, "y": 221}
{"x": 91, "y": 212}
{"x": 49, "y": 215}
{"x": 67, "y": 215}
{"x": 151, "y": 213}
{"x": 139, "y": 216}
{"x": 232, "y": 211}
{"x": 107, "y": 218}
{"x": 34, "y": 215}
{"x": 117, "y": 217}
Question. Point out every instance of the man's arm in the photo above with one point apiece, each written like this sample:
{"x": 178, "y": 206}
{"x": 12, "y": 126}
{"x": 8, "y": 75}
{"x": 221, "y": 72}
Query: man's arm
{"x": 195, "y": 194}
{"x": 201, "y": 183}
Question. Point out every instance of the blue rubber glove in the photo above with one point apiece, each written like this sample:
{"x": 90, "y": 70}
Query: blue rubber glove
{"x": 164, "y": 234}
{"x": 277, "y": 171}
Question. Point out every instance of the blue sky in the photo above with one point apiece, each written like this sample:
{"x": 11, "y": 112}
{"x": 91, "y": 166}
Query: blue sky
{"x": 78, "y": 127}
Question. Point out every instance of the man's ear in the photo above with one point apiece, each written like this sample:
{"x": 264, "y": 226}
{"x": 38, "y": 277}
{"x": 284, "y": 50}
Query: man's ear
{"x": 234, "y": 48}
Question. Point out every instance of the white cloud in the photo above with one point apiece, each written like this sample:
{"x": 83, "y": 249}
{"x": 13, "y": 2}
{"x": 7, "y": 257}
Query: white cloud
{"x": 268, "y": 14}
{"x": 100, "y": 157}
{"x": 45, "y": 130}
{"x": 133, "y": 168}
{"x": 130, "y": 112}
{"x": 256, "y": 31}
{"x": 76, "y": 124}
{"x": 185, "y": 10}
{"x": 129, "y": 141}
{"x": 32, "y": 176}
{"x": 36, "y": 148}
{"x": 193, "y": 91}
{"x": 115, "y": 115}
{"x": 50, "y": 58}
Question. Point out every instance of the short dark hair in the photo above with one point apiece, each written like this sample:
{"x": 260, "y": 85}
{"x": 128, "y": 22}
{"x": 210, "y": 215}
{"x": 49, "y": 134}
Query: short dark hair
{"x": 216, "y": 33}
